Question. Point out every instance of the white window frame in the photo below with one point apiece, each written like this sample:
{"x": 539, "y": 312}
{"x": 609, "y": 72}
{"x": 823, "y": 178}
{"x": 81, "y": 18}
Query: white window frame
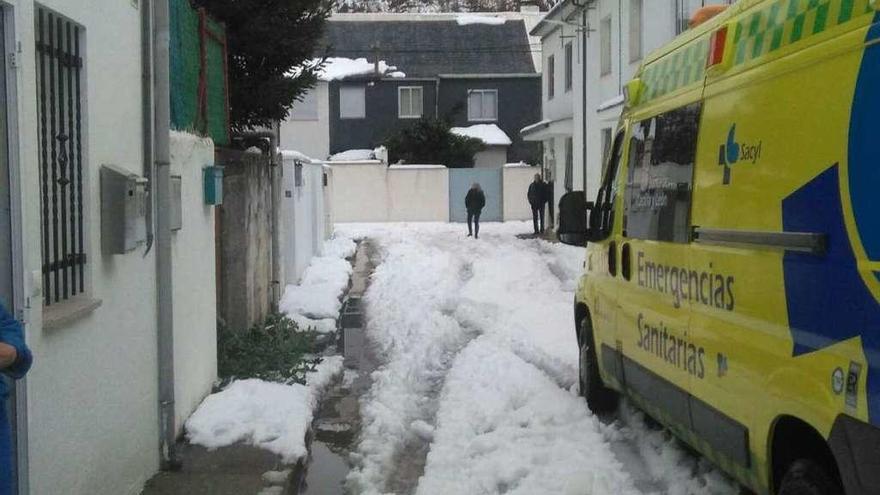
{"x": 605, "y": 48}
{"x": 471, "y": 117}
{"x": 636, "y": 30}
{"x": 401, "y": 91}
{"x": 363, "y": 106}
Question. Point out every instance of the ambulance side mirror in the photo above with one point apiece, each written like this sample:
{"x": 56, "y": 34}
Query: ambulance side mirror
{"x": 574, "y": 210}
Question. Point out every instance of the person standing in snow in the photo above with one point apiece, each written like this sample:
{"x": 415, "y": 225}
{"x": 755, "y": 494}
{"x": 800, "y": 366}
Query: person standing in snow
{"x": 15, "y": 361}
{"x": 537, "y": 196}
{"x": 474, "y": 201}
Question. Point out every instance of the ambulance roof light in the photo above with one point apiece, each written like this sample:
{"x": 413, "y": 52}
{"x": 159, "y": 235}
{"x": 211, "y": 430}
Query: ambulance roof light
{"x": 717, "y": 44}
{"x": 703, "y": 14}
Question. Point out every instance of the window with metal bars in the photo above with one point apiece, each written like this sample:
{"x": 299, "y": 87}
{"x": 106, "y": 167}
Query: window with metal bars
{"x": 60, "y": 108}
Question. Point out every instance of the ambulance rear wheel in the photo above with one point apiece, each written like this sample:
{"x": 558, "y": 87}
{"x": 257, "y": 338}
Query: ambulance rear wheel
{"x": 600, "y": 399}
{"x": 806, "y": 477}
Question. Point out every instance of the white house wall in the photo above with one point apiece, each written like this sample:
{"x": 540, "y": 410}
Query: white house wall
{"x": 491, "y": 157}
{"x": 194, "y": 270}
{"x": 659, "y": 26}
{"x": 310, "y": 137}
{"x": 303, "y": 217}
{"x": 92, "y": 393}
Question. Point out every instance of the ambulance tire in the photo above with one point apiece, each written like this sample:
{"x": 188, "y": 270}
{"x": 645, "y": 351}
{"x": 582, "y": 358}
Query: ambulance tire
{"x": 600, "y": 399}
{"x": 806, "y": 477}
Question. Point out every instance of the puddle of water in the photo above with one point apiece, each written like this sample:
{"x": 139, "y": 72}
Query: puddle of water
{"x": 326, "y": 473}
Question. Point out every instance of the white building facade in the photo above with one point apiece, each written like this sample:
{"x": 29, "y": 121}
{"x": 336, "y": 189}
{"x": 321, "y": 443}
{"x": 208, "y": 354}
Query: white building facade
{"x": 87, "y": 416}
{"x": 608, "y": 39}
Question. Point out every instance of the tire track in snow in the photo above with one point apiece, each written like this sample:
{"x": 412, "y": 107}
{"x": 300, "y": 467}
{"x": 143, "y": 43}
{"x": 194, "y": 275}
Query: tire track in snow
{"x": 460, "y": 290}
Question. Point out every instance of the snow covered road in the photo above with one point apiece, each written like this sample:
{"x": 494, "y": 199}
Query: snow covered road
{"x": 476, "y": 391}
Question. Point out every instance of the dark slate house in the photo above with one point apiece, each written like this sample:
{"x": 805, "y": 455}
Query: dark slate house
{"x": 476, "y": 74}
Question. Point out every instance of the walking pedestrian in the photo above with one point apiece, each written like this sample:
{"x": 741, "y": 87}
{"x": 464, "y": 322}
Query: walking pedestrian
{"x": 537, "y": 196}
{"x": 474, "y": 201}
{"x": 15, "y": 361}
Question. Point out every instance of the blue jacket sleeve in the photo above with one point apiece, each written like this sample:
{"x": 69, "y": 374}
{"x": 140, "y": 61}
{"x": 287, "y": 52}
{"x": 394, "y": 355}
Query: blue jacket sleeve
{"x": 11, "y": 333}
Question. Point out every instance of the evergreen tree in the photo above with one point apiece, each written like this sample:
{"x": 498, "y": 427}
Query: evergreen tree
{"x": 266, "y": 41}
{"x": 430, "y": 141}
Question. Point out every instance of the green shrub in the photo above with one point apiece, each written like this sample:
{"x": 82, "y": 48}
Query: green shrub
{"x": 430, "y": 141}
{"x": 275, "y": 350}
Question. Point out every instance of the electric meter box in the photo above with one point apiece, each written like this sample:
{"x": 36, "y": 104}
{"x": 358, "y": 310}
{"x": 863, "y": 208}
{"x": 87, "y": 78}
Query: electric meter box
{"x": 123, "y": 210}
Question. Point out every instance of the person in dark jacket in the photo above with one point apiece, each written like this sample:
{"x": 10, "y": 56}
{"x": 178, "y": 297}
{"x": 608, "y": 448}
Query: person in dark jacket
{"x": 15, "y": 361}
{"x": 474, "y": 201}
{"x": 537, "y": 199}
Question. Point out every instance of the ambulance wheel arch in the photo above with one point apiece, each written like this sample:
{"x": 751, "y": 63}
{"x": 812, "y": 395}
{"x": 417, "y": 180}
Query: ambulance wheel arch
{"x": 793, "y": 440}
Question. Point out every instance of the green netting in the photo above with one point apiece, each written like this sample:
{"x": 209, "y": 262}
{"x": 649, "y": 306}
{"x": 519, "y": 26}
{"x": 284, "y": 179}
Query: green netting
{"x": 185, "y": 46}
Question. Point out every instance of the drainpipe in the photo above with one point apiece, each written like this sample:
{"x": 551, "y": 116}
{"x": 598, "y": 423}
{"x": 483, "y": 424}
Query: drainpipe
{"x": 162, "y": 188}
{"x": 584, "y": 35}
{"x": 147, "y": 111}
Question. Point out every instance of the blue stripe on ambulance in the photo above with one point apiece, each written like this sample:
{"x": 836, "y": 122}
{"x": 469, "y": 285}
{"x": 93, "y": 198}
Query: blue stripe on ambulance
{"x": 828, "y": 301}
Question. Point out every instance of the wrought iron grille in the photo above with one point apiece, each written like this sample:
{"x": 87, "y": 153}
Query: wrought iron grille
{"x": 59, "y": 93}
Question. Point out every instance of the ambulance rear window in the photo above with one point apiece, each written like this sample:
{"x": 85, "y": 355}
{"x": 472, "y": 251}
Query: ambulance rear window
{"x": 657, "y": 199}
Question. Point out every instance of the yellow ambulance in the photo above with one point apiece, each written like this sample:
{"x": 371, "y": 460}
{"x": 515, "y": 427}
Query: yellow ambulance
{"x": 732, "y": 273}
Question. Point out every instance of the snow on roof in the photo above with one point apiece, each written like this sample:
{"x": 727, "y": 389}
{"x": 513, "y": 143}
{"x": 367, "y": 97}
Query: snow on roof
{"x": 296, "y": 155}
{"x": 353, "y": 156}
{"x": 490, "y": 134}
{"x": 529, "y": 128}
{"x": 518, "y": 165}
{"x": 468, "y": 19}
{"x": 342, "y": 67}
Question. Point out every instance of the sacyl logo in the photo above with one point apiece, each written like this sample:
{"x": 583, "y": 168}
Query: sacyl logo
{"x": 733, "y": 152}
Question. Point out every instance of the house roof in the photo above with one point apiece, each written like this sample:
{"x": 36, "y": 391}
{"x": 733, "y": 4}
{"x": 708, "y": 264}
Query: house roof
{"x": 427, "y": 46}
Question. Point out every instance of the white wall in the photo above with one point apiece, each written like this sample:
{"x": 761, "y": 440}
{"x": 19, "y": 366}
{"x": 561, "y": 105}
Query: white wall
{"x": 92, "y": 394}
{"x": 311, "y": 137}
{"x": 491, "y": 157}
{"x": 303, "y": 215}
{"x": 418, "y": 194}
{"x": 515, "y": 181}
{"x": 374, "y": 192}
{"x": 194, "y": 270}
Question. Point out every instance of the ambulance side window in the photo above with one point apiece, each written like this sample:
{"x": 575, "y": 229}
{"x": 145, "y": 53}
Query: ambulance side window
{"x": 659, "y": 185}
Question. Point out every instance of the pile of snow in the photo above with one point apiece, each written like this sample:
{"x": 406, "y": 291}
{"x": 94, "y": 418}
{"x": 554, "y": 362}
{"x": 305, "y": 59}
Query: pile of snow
{"x": 315, "y": 302}
{"x": 468, "y": 19}
{"x": 271, "y": 416}
{"x": 522, "y": 432}
{"x": 479, "y": 361}
{"x": 353, "y": 156}
{"x": 490, "y": 134}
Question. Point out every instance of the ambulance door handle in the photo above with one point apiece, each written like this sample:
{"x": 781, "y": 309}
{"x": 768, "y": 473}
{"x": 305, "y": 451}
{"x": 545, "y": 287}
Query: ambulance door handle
{"x": 626, "y": 261}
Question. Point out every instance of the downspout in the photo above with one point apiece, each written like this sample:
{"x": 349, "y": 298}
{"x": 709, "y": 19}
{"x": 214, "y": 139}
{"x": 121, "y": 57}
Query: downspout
{"x": 147, "y": 112}
{"x": 162, "y": 188}
{"x": 584, "y": 5}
